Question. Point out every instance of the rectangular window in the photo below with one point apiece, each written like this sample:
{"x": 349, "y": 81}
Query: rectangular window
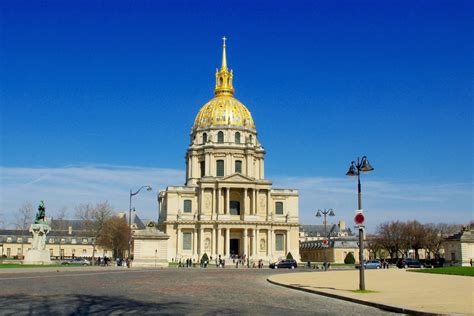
{"x": 187, "y": 206}
{"x": 8, "y": 252}
{"x": 280, "y": 242}
{"x": 84, "y": 240}
{"x": 50, "y": 252}
{"x": 279, "y": 208}
{"x": 84, "y": 252}
{"x": 234, "y": 207}
{"x": 73, "y": 241}
{"x": 203, "y": 168}
{"x": 18, "y": 252}
{"x": 187, "y": 241}
{"x": 19, "y": 239}
{"x": 220, "y": 168}
{"x": 238, "y": 166}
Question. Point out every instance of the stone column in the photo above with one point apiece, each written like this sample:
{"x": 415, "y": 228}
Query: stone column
{"x": 195, "y": 242}
{"x": 207, "y": 164}
{"x": 220, "y": 249}
{"x": 254, "y": 211}
{"x": 213, "y": 243}
{"x": 227, "y": 241}
{"x": 214, "y": 208}
{"x": 245, "y": 208}
{"x": 246, "y": 242}
{"x": 268, "y": 203}
{"x": 270, "y": 242}
{"x": 178, "y": 233}
{"x": 201, "y": 242}
{"x": 288, "y": 240}
{"x": 256, "y": 243}
{"x": 201, "y": 202}
{"x": 218, "y": 201}
{"x": 227, "y": 207}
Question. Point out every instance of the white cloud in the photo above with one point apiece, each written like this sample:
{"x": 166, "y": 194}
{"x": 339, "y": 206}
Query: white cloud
{"x": 71, "y": 185}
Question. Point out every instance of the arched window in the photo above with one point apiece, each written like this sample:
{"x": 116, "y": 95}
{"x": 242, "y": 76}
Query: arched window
{"x": 204, "y": 138}
{"x": 237, "y": 138}
{"x": 220, "y": 168}
{"x": 220, "y": 137}
{"x": 221, "y": 80}
{"x": 250, "y": 139}
{"x": 238, "y": 166}
{"x": 202, "y": 165}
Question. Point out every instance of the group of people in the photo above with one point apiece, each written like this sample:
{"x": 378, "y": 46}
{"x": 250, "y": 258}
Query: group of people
{"x": 239, "y": 261}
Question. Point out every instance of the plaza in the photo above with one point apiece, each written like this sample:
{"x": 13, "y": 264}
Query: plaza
{"x": 80, "y": 291}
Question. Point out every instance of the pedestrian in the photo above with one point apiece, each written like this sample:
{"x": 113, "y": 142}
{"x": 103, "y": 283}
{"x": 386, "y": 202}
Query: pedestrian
{"x": 470, "y": 262}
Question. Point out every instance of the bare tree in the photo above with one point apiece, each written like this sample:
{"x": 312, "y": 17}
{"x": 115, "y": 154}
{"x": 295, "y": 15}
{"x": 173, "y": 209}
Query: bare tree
{"x": 115, "y": 235}
{"x": 94, "y": 217}
{"x": 390, "y": 236}
{"x": 23, "y": 219}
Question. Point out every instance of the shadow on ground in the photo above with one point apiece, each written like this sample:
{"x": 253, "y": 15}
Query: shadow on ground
{"x": 90, "y": 304}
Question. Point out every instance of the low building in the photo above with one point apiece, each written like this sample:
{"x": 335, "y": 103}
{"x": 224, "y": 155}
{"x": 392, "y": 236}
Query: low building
{"x": 67, "y": 239}
{"x": 459, "y": 248}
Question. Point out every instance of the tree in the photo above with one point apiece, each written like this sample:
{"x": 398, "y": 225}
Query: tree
{"x": 23, "y": 219}
{"x": 94, "y": 217}
{"x": 115, "y": 235}
{"x": 374, "y": 245}
{"x": 414, "y": 237}
{"x": 349, "y": 259}
{"x": 390, "y": 236}
{"x": 289, "y": 256}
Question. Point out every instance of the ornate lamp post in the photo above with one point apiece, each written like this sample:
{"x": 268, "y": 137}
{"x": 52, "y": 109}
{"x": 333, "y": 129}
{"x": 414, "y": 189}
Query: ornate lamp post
{"x": 329, "y": 212}
{"x": 362, "y": 165}
{"x": 148, "y": 188}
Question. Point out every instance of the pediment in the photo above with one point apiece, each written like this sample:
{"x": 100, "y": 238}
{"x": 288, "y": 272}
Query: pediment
{"x": 237, "y": 177}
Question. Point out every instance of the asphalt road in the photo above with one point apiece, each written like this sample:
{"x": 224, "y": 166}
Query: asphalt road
{"x": 165, "y": 291}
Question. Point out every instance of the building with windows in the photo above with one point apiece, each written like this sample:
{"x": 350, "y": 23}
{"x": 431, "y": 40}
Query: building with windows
{"x": 67, "y": 239}
{"x": 226, "y": 206}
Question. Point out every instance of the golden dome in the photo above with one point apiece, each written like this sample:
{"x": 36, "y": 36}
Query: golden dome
{"x": 224, "y": 109}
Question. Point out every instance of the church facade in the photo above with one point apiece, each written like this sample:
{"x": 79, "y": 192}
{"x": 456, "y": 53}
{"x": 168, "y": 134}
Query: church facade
{"x": 227, "y": 208}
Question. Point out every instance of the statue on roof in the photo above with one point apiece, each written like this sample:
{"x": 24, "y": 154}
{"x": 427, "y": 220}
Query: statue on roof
{"x": 41, "y": 213}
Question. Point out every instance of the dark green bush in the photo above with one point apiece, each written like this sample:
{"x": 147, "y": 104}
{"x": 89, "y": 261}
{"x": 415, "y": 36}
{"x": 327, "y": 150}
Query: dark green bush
{"x": 204, "y": 258}
{"x": 289, "y": 256}
{"x": 349, "y": 259}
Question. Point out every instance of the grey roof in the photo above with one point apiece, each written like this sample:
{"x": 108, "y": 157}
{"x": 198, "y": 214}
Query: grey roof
{"x": 318, "y": 230}
{"x": 136, "y": 221}
{"x": 76, "y": 224}
{"x": 348, "y": 242}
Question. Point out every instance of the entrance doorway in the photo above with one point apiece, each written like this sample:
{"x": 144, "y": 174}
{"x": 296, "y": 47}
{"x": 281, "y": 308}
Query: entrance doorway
{"x": 234, "y": 247}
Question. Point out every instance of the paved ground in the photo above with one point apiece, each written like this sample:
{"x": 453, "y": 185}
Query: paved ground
{"x": 397, "y": 287}
{"x": 166, "y": 291}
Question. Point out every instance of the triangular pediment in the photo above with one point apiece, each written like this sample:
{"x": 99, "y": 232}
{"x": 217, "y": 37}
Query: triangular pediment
{"x": 237, "y": 177}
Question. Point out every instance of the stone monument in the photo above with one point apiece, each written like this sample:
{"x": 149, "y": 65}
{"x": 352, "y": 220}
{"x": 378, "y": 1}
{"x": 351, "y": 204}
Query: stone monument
{"x": 38, "y": 253}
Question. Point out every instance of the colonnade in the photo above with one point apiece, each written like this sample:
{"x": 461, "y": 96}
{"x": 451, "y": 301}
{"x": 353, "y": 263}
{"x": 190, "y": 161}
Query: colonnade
{"x": 221, "y": 236}
{"x": 248, "y": 207}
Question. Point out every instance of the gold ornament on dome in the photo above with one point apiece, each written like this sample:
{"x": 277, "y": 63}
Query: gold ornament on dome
{"x": 224, "y": 109}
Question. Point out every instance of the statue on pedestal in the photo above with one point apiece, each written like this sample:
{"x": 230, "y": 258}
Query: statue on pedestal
{"x": 38, "y": 253}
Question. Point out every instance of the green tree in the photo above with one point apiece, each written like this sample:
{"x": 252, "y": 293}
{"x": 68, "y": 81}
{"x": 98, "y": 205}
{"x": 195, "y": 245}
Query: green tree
{"x": 289, "y": 256}
{"x": 349, "y": 259}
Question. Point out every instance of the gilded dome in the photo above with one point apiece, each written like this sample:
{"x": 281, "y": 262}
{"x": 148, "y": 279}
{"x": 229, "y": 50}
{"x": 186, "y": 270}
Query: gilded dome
{"x": 224, "y": 110}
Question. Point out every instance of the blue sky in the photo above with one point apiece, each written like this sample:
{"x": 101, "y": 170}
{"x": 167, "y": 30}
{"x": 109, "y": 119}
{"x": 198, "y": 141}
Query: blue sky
{"x": 114, "y": 86}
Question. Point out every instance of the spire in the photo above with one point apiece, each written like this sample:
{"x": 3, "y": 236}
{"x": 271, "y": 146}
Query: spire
{"x": 224, "y": 76}
{"x": 224, "y": 57}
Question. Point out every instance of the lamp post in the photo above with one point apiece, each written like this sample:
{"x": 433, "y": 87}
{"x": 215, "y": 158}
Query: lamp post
{"x": 362, "y": 165}
{"x": 329, "y": 212}
{"x": 148, "y": 188}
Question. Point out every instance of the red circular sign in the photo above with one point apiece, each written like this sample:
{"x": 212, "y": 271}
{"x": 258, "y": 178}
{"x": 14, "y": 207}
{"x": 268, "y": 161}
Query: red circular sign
{"x": 359, "y": 219}
{"x": 325, "y": 241}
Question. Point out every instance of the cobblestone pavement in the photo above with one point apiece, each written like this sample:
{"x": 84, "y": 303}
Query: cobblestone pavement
{"x": 164, "y": 291}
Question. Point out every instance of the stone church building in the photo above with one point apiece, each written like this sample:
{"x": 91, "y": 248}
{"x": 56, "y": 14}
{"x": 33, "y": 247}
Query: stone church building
{"x": 226, "y": 206}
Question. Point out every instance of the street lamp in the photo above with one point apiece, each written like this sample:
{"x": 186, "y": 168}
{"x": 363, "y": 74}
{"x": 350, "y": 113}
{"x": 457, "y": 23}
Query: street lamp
{"x": 362, "y": 165}
{"x": 148, "y": 188}
{"x": 325, "y": 213}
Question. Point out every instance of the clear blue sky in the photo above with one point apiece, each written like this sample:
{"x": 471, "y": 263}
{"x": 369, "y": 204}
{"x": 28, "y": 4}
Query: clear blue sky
{"x": 120, "y": 82}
